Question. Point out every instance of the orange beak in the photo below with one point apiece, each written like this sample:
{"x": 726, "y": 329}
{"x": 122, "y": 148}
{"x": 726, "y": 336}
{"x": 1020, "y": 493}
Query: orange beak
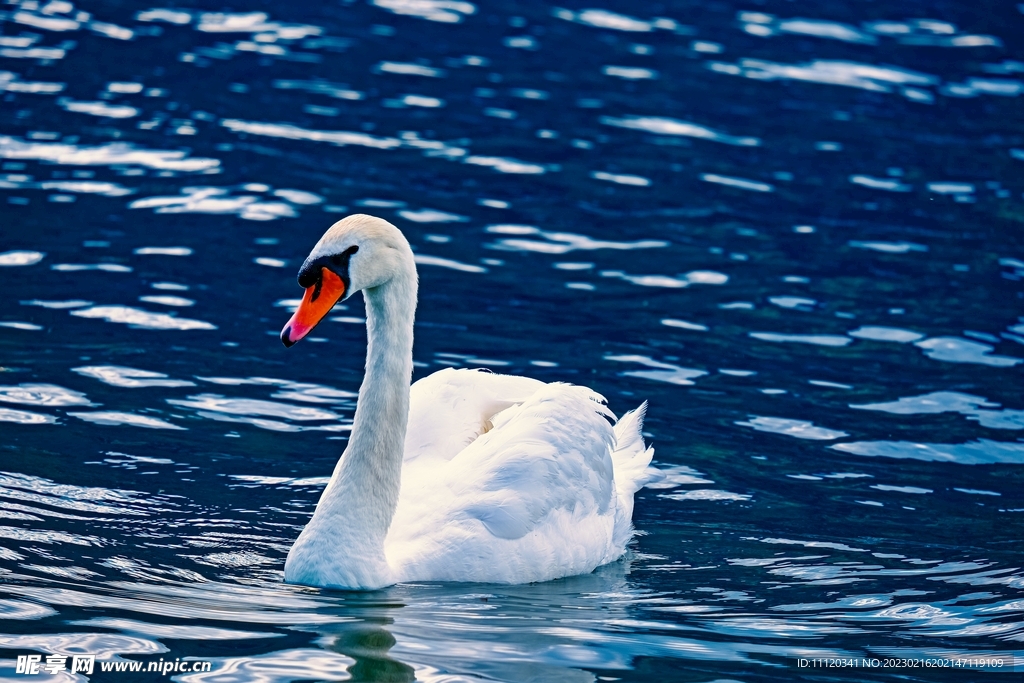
{"x": 317, "y": 302}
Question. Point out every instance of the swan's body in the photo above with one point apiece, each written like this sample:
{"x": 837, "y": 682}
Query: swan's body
{"x": 467, "y": 476}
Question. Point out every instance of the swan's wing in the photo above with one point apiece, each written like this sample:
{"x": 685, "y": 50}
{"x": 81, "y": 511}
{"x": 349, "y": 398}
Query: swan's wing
{"x": 552, "y": 451}
{"x": 449, "y": 409}
{"x": 533, "y": 495}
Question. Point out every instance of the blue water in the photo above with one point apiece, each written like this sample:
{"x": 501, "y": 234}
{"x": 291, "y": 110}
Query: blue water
{"x": 795, "y": 229}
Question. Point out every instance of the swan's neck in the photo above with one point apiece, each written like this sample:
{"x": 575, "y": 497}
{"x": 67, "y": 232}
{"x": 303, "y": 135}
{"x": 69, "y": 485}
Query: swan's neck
{"x": 343, "y": 545}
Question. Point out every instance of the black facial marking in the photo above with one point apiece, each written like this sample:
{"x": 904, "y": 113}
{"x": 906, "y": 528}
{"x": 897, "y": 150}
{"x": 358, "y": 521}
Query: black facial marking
{"x": 316, "y": 289}
{"x": 310, "y": 273}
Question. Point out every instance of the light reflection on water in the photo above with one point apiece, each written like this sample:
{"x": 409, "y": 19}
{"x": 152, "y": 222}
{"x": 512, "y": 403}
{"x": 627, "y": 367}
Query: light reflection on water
{"x": 796, "y": 236}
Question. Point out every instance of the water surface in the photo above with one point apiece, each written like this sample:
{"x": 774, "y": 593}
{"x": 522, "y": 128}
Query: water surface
{"x": 796, "y": 231}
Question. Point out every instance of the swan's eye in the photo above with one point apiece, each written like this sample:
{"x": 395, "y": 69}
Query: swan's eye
{"x": 338, "y": 259}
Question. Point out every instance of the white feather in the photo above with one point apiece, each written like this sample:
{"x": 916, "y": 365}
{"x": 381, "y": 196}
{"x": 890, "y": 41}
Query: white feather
{"x": 501, "y": 479}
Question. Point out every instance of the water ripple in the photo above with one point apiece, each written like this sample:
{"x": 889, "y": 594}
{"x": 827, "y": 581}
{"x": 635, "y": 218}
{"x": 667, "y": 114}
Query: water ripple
{"x": 660, "y": 372}
{"x": 882, "y": 333}
{"x": 559, "y": 242}
{"x": 19, "y": 609}
{"x": 139, "y": 319}
{"x": 798, "y": 428}
{"x": 130, "y": 378}
{"x": 103, "y": 646}
{"x": 172, "y": 631}
{"x": 216, "y": 200}
{"x": 25, "y": 417}
{"x": 46, "y": 395}
{"x": 980, "y": 452}
{"x": 442, "y": 11}
{"x": 114, "y": 418}
{"x": 248, "y": 406}
{"x": 957, "y": 350}
{"x": 816, "y": 339}
{"x": 667, "y": 126}
{"x": 291, "y": 132}
{"x": 110, "y": 154}
{"x": 601, "y": 18}
{"x": 21, "y": 258}
{"x": 831, "y": 72}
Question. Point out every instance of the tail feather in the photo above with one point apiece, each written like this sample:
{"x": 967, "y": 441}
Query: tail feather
{"x": 628, "y": 430}
{"x": 631, "y": 458}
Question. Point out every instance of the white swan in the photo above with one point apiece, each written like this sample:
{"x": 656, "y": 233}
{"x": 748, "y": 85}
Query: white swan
{"x": 468, "y": 475}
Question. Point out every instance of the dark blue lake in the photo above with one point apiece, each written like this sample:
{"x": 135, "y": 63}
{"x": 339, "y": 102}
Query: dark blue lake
{"x": 797, "y": 230}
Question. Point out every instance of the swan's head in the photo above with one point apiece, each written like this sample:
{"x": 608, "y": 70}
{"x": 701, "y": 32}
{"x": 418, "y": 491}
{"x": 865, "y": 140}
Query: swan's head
{"x": 357, "y": 252}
